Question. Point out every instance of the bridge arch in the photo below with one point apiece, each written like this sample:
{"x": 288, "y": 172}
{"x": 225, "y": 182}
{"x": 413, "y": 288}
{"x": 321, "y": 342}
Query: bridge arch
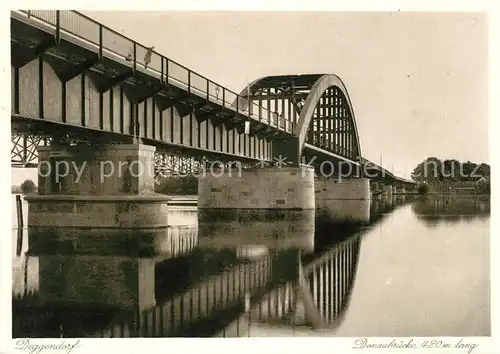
{"x": 318, "y": 107}
{"x": 306, "y": 116}
{"x": 328, "y": 282}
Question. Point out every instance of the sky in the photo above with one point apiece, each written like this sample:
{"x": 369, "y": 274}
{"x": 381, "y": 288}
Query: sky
{"x": 417, "y": 81}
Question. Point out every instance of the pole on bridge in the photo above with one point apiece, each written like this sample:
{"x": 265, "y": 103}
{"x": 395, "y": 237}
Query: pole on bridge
{"x": 135, "y": 122}
{"x": 247, "y": 122}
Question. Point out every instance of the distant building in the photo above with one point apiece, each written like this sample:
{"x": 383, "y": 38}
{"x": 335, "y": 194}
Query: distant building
{"x": 468, "y": 187}
{"x": 481, "y": 180}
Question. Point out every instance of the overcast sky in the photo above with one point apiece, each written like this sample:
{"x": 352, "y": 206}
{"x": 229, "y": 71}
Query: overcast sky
{"x": 417, "y": 81}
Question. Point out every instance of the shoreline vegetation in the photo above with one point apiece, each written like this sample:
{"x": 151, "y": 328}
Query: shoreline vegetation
{"x": 452, "y": 177}
{"x": 28, "y": 186}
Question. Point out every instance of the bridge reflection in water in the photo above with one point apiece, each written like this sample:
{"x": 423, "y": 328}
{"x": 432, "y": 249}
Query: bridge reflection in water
{"x": 207, "y": 279}
{"x": 451, "y": 208}
{"x": 316, "y": 297}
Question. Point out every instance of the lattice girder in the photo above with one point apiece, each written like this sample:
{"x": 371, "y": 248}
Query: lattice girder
{"x": 24, "y": 147}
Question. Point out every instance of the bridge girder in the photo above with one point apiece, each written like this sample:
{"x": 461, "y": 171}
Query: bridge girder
{"x": 24, "y": 154}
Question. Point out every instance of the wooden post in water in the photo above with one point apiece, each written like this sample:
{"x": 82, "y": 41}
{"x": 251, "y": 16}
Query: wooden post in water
{"x": 20, "y": 225}
{"x": 19, "y": 245}
{"x": 25, "y": 269}
{"x": 19, "y": 208}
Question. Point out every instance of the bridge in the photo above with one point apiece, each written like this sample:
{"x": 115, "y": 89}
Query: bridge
{"x": 84, "y": 94}
{"x": 75, "y": 79}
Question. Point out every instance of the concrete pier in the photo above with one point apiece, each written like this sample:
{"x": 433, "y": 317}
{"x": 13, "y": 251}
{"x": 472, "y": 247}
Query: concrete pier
{"x": 290, "y": 194}
{"x": 347, "y": 200}
{"x": 257, "y": 189}
{"x": 105, "y": 191}
{"x": 269, "y": 203}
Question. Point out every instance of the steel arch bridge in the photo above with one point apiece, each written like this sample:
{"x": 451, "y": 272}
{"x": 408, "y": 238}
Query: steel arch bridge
{"x": 126, "y": 90}
{"x": 317, "y": 105}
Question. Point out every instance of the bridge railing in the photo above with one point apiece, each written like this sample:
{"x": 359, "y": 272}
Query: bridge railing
{"x": 48, "y": 16}
{"x": 118, "y": 47}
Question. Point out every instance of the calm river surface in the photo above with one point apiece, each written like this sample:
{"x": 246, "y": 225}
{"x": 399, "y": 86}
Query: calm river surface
{"x": 421, "y": 268}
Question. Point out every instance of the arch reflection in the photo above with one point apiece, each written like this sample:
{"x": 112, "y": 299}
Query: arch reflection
{"x": 330, "y": 279}
{"x": 316, "y": 294}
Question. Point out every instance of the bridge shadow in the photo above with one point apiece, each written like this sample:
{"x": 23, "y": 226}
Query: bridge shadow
{"x": 71, "y": 291}
{"x": 219, "y": 277}
{"x": 315, "y": 293}
{"x": 239, "y": 258}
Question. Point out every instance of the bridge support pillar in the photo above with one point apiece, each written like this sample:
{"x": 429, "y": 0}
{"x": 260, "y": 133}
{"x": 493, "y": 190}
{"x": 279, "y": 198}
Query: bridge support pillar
{"x": 347, "y": 200}
{"x": 272, "y": 200}
{"x": 96, "y": 193}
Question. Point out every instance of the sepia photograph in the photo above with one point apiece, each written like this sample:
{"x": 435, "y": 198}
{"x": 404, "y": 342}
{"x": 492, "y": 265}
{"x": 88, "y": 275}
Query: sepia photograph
{"x": 240, "y": 174}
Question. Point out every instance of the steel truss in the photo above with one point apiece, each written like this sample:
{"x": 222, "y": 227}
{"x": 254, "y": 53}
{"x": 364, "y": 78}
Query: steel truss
{"x": 167, "y": 164}
{"x": 332, "y": 124}
{"x": 24, "y": 149}
{"x": 24, "y": 155}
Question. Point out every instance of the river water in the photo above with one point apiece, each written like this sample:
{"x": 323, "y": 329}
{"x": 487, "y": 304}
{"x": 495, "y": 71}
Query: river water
{"x": 420, "y": 268}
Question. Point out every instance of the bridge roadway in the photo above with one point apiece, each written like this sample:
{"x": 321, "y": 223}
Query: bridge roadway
{"x": 76, "y": 80}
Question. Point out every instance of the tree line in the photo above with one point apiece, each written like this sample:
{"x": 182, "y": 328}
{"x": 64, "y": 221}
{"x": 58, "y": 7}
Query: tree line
{"x": 442, "y": 175}
{"x": 28, "y": 186}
